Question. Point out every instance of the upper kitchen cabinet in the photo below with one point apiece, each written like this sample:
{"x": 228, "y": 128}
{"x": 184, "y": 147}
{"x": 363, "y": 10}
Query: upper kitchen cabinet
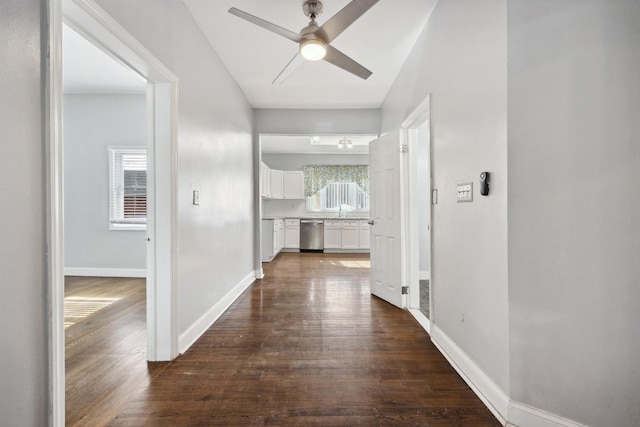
{"x": 265, "y": 180}
{"x": 277, "y": 184}
{"x": 277, "y": 189}
{"x": 293, "y": 185}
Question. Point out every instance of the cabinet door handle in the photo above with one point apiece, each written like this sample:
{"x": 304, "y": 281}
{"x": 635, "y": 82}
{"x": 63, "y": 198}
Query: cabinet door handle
{"x": 370, "y": 222}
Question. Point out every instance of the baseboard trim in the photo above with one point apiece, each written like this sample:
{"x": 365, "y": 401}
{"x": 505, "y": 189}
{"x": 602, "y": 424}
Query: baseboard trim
{"x": 259, "y": 274}
{"x": 105, "y": 272}
{"x": 424, "y": 275}
{"x": 525, "y": 415}
{"x": 200, "y": 326}
{"x": 421, "y": 319}
{"x": 488, "y": 391}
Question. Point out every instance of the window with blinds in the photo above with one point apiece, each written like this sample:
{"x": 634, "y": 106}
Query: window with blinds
{"x": 127, "y": 188}
{"x": 339, "y": 197}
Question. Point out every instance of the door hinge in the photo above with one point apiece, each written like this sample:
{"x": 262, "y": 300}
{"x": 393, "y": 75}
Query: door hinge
{"x": 405, "y": 290}
{"x": 404, "y": 148}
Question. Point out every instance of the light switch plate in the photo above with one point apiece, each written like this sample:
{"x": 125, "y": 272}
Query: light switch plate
{"x": 196, "y": 197}
{"x": 465, "y": 192}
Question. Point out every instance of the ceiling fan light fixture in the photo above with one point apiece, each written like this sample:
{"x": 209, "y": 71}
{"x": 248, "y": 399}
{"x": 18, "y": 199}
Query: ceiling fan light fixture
{"x": 344, "y": 142}
{"x": 313, "y": 49}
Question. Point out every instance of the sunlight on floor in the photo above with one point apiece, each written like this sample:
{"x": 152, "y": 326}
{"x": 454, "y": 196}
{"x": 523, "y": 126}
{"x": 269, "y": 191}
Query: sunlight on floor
{"x": 356, "y": 264}
{"x": 79, "y": 308}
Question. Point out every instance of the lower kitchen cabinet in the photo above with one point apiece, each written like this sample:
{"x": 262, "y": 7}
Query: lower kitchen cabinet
{"x": 332, "y": 234}
{"x": 344, "y": 235}
{"x": 272, "y": 238}
{"x": 365, "y": 234}
{"x": 350, "y": 235}
{"x": 292, "y": 234}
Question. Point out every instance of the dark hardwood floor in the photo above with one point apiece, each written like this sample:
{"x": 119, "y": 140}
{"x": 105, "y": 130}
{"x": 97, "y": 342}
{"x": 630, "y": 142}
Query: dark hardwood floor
{"x": 305, "y": 346}
{"x": 105, "y": 320}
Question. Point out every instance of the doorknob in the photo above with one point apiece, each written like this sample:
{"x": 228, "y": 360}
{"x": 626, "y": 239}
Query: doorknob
{"x": 370, "y": 222}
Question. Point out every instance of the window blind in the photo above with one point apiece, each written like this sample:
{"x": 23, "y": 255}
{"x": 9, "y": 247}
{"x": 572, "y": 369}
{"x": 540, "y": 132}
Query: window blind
{"x": 127, "y": 187}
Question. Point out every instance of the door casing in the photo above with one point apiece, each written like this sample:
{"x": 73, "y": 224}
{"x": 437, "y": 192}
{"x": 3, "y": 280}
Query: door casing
{"x": 89, "y": 20}
{"x": 419, "y": 116}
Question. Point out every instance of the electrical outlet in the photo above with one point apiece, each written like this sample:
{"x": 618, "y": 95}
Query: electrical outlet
{"x": 196, "y": 197}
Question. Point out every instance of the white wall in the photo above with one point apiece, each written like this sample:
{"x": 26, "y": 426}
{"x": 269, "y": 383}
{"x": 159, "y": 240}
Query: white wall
{"x": 215, "y": 156}
{"x": 295, "y": 162}
{"x": 91, "y": 124}
{"x": 24, "y": 376}
{"x": 574, "y": 235}
{"x": 309, "y": 122}
{"x": 460, "y": 59}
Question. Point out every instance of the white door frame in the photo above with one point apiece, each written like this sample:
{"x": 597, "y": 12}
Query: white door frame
{"x": 93, "y": 23}
{"x": 420, "y": 115}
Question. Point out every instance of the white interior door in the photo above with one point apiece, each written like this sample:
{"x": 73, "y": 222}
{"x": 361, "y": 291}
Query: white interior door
{"x": 386, "y": 229}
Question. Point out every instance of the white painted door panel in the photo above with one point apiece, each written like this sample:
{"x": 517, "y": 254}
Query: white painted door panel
{"x": 384, "y": 172}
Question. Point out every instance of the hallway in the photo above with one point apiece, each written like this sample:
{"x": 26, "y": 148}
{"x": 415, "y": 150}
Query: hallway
{"x": 308, "y": 345}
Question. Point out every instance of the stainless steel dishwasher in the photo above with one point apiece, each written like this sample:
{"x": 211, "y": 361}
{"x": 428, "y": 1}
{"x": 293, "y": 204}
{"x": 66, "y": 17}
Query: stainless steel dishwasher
{"x": 311, "y": 235}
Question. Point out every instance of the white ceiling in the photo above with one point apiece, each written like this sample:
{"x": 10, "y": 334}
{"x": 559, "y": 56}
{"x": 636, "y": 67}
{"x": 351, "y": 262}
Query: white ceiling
{"x": 380, "y": 40}
{"x": 87, "y": 69}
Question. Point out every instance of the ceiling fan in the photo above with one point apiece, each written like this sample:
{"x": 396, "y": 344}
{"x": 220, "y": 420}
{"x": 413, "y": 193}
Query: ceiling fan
{"x": 315, "y": 41}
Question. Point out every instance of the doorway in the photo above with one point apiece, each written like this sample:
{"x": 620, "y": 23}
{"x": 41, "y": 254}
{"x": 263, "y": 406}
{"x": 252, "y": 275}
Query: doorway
{"x": 95, "y": 25}
{"x": 420, "y": 199}
{"x": 337, "y": 195}
{"x": 105, "y": 123}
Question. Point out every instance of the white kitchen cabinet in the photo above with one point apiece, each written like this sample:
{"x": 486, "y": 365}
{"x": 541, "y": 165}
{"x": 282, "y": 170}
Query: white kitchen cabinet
{"x": 265, "y": 180}
{"x": 332, "y": 234}
{"x": 350, "y": 235}
{"x": 346, "y": 235}
{"x": 365, "y": 234}
{"x": 293, "y": 185}
{"x": 268, "y": 241}
{"x": 278, "y": 235}
{"x": 276, "y": 184}
{"x": 292, "y": 233}
{"x": 272, "y": 238}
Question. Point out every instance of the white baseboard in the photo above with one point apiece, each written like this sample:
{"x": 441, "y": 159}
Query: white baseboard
{"x": 527, "y": 416}
{"x": 200, "y": 326}
{"x": 424, "y": 275}
{"x": 422, "y": 319}
{"x": 259, "y": 274}
{"x": 488, "y": 391}
{"x": 105, "y": 272}
{"x": 508, "y": 412}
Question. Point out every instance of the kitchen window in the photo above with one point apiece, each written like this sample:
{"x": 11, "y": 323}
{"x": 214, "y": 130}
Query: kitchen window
{"x": 127, "y": 188}
{"x": 337, "y": 188}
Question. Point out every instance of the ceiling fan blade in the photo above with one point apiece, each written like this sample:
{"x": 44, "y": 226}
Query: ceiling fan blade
{"x": 347, "y": 16}
{"x": 341, "y": 60}
{"x": 266, "y": 25}
{"x": 295, "y": 62}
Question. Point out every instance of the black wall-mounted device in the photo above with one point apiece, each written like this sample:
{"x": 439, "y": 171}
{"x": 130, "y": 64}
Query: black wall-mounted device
{"x": 484, "y": 183}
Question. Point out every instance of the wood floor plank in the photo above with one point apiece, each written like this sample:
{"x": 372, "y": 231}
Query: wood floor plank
{"x": 105, "y": 347}
{"x": 308, "y": 345}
